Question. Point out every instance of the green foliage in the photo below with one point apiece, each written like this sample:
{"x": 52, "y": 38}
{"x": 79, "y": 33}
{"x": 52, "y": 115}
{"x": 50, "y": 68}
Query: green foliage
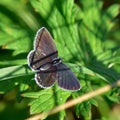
{"x": 87, "y": 38}
{"x": 46, "y": 99}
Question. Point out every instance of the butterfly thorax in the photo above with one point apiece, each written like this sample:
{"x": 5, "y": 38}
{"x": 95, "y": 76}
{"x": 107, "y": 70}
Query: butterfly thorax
{"x": 48, "y": 65}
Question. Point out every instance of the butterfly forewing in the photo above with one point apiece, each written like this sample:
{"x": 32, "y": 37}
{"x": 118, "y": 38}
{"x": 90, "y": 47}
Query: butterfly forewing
{"x": 66, "y": 78}
{"x": 44, "y": 50}
{"x": 36, "y": 60}
{"x": 44, "y": 42}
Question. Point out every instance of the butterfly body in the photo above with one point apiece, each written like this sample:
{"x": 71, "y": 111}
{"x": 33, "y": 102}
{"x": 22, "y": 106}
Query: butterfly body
{"x": 48, "y": 66}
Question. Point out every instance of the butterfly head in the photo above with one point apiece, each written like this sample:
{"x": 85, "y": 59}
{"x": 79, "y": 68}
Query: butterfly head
{"x": 56, "y": 61}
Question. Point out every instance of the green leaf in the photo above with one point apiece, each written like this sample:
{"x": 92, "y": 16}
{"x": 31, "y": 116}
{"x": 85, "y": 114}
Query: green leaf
{"x": 113, "y": 11}
{"x": 13, "y": 76}
{"x": 83, "y": 108}
{"x": 13, "y": 71}
{"x": 114, "y": 95}
{"x": 15, "y": 39}
{"x": 46, "y": 99}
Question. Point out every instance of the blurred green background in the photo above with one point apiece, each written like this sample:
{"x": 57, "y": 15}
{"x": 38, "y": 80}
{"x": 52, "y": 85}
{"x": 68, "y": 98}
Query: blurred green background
{"x": 86, "y": 33}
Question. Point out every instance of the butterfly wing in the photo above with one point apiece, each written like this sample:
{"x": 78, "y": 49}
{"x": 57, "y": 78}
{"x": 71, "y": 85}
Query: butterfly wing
{"x": 46, "y": 78}
{"x": 44, "y": 42}
{"x": 44, "y": 50}
{"x": 66, "y": 78}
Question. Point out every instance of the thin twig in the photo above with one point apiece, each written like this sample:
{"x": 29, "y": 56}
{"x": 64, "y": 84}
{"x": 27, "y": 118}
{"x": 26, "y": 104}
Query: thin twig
{"x": 75, "y": 101}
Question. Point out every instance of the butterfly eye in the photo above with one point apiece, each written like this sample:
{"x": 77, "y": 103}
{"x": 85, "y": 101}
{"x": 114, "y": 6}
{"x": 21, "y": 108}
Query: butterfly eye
{"x": 56, "y": 61}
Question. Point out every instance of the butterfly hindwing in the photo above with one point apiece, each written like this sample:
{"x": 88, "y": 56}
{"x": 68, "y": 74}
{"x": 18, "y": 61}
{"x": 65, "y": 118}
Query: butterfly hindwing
{"x": 66, "y": 78}
{"x": 46, "y": 78}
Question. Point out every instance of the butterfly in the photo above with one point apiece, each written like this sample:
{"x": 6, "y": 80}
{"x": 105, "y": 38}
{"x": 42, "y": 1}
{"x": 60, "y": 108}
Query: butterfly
{"x": 48, "y": 66}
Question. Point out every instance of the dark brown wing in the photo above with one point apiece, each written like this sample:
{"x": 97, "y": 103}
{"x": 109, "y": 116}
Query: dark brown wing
{"x": 44, "y": 42}
{"x": 66, "y": 78}
{"x": 44, "y": 50}
{"x": 46, "y": 78}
